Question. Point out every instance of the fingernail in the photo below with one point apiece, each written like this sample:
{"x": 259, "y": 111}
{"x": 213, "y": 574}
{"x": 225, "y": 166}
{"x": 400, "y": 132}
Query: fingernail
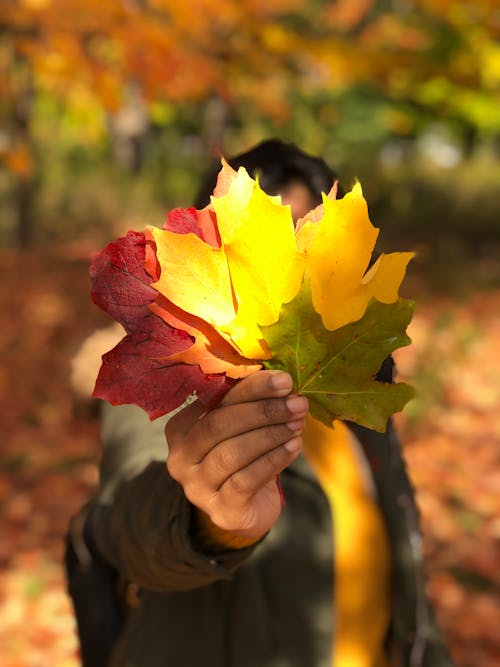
{"x": 297, "y": 404}
{"x": 297, "y": 425}
{"x": 281, "y": 380}
{"x": 293, "y": 445}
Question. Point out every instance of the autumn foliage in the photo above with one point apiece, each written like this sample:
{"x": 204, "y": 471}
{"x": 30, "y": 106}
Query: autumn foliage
{"x": 219, "y": 293}
{"x": 441, "y": 56}
{"x": 187, "y": 50}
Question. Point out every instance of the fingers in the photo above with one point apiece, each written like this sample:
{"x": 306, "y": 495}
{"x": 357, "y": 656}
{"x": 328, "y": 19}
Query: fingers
{"x": 261, "y": 385}
{"x": 240, "y": 418}
{"x": 264, "y": 384}
{"x": 231, "y": 437}
{"x": 259, "y": 401}
{"x": 247, "y": 481}
{"x": 238, "y": 453}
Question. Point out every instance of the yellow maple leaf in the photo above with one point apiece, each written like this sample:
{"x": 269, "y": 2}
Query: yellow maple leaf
{"x": 194, "y": 276}
{"x": 338, "y": 248}
{"x": 266, "y": 268}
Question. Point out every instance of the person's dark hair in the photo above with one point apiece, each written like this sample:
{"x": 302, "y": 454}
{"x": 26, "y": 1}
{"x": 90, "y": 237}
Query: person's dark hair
{"x": 276, "y": 164}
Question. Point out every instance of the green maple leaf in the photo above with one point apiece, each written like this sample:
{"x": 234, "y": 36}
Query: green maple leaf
{"x": 336, "y": 369}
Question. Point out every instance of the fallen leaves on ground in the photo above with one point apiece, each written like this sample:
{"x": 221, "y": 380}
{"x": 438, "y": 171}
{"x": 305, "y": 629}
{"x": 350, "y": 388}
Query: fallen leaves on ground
{"x": 452, "y": 446}
{"x": 50, "y": 449}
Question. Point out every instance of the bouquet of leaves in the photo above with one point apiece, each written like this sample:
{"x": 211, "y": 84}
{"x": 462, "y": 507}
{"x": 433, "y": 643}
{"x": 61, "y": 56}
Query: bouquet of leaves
{"x": 219, "y": 293}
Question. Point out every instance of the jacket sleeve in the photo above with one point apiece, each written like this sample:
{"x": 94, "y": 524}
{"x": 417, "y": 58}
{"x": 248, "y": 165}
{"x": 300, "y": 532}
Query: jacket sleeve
{"x": 141, "y": 519}
{"x": 413, "y": 630}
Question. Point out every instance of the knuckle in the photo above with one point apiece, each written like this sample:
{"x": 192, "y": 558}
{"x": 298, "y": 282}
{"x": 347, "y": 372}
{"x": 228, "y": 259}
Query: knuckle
{"x": 272, "y": 409}
{"x": 275, "y": 460}
{"x": 278, "y": 434}
{"x": 191, "y": 491}
{"x": 182, "y": 473}
{"x": 221, "y": 514}
{"x": 195, "y": 487}
{"x": 172, "y": 429}
{"x": 224, "y": 459}
{"x": 172, "y": 464}
{"x": 239, "y": 483}
{"x": 238, "y": 393}
{"x": 212, "y": 427}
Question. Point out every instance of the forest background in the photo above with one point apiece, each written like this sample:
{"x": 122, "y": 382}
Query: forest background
{"x": 110, "y": 112}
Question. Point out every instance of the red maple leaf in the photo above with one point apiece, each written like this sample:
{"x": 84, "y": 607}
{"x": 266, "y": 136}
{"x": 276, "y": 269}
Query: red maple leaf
{"x": 135, "y": 370}
{"x": 202, "y": 223}
{"x": 120, "y": 284}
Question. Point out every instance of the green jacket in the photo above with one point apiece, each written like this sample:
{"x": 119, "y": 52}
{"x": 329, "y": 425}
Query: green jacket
{"x": 266, "y": 606}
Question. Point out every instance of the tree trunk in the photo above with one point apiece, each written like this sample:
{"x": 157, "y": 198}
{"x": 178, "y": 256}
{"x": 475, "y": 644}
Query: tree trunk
{"x": 25, "y": 197}
{"x": 26, "y": 182}
{"x": 214, "y": 126}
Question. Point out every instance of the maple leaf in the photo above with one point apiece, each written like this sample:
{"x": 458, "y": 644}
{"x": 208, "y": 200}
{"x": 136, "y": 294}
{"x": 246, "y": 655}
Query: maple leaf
{"x": 194, "y": 276}
{"x": 266, "y": 267}
{"x": 338, "y": 247}
{"x": 259, "y": 239}
{"x": 120, "y": 282}
{"x": 336, "y": 369}
{"x": 138, "y": 370}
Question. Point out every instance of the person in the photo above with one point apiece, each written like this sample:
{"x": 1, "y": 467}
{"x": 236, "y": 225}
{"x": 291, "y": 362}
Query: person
{"x": 202, "y": 558}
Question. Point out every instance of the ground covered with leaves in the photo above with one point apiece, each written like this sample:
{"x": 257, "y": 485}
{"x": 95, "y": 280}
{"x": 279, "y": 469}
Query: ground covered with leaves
{"x": 49, "y": 449}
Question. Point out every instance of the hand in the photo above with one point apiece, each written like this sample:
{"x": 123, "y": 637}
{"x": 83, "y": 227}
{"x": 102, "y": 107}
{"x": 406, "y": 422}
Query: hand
{"x": 227, "y": 459}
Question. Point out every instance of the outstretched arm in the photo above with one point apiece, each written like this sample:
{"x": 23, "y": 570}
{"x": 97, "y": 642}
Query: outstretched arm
{"x": 221, "y": 468}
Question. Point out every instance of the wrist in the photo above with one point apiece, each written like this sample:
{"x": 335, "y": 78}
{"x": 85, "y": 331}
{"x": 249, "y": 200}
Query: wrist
{"x": 210, "y": 538}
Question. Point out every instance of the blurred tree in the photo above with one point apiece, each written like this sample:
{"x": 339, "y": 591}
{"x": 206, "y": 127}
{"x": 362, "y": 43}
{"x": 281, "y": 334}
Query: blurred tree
{"x": 415, "y": 59}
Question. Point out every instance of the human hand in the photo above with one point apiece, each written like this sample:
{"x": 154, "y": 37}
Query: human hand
{"x": 227, "y": 459}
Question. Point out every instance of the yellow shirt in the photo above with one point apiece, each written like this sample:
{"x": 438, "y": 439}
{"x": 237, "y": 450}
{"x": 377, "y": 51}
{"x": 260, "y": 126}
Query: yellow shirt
{"x": 361, "y": 548}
